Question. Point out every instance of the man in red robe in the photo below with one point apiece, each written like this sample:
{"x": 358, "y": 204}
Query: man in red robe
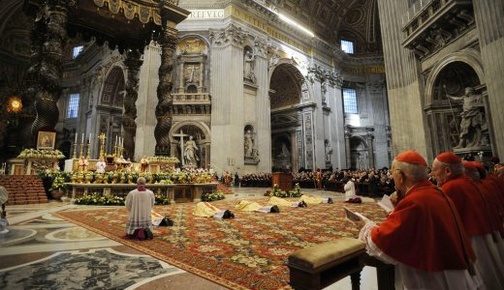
{"x": 448, "y": 170}
{"x": 422, "y": 236}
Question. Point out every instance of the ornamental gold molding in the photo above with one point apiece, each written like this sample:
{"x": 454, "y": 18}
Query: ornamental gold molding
{"x": 146, "y": 11}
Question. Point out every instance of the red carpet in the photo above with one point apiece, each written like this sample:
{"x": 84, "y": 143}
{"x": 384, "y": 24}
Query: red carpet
{"x": 248, "y": 252}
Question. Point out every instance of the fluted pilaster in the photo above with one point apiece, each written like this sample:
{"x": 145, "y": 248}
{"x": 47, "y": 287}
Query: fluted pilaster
{"x": 399, "y": 61}
{"x": 489, "y": 17}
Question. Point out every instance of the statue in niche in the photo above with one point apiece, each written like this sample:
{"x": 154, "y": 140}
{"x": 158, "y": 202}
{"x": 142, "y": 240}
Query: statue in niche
{"x": 190, "y": 155}
{"x": 328, "y": 151}
{"x": 284, "y": 151}
{"x": 473, "y": 121}
{"x": 249, "y": 59}
{"x": 248, "y": 144}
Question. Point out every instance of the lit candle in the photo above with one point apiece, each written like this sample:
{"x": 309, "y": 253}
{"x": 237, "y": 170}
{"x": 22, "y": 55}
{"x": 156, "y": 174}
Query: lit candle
{"x": 82, "y": 142}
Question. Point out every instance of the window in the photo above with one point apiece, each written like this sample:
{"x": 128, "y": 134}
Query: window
{"x": 350, "y": 101}
{"x": 347, "y": 46}
{"x": 77, "y": 50}
{"x": 73, "y": 106}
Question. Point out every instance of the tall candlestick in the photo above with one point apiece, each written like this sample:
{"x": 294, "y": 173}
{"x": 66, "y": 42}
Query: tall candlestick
{"x": 116, "y": 141}
{"x": 82, "y": 142}
{"x": 89, "y": 140}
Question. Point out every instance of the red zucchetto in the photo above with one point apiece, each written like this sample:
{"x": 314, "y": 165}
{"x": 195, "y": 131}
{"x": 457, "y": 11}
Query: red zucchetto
{"x": 412, "y": 157}
{"x": 449, "y": 157}
{"x": 469, "y": 165}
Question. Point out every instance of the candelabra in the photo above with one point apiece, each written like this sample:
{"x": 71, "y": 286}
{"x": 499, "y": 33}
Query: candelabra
{"x": 88, "y": 151}
{"x": 74, "y": 156}
{"x": 102, "y": 146}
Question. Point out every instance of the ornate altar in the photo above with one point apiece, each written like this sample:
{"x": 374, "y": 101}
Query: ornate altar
{"x": 174, "y": 192}
{"x": 31, "y": 161}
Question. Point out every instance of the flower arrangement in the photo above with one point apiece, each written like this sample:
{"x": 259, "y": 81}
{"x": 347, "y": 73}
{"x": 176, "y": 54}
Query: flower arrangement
{"x": 97, "y": 199}
{"x": 276, "y": 191}
{"x": 58, "y": 184}
{"x": 296, "y": 192}
{"x": 162, "y": 199}
{"x": 41, "y": 153}
{"x": 211, "y": 196}
{"x": 54, "y": 179}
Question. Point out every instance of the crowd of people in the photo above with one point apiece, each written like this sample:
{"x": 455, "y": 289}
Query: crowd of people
{"x": 372, "y": 182}
{"x": 444, "y": 232}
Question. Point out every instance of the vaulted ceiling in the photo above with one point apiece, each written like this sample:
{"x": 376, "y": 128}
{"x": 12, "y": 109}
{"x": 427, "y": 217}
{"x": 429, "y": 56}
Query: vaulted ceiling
{"x": 332, "y": 20}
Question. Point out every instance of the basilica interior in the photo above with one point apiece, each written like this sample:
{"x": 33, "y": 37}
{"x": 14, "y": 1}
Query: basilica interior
{"x": 249, "y": 86}
{"x": 314, "y": 84}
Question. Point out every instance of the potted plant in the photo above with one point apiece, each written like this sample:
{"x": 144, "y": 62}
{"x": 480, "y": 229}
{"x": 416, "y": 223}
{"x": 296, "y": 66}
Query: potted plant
{"x": 58, "y": 187}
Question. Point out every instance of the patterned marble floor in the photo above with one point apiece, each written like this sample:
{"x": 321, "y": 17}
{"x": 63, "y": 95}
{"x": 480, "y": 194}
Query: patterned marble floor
{"x": 41, "y": 251}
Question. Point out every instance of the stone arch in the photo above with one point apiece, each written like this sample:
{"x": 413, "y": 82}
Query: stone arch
{"x": 112, "y": 92}
{"x": 451, "y": 76}
{"x": 286, "y": 92}
{"x": 192, "y": 64}
{"x": 471, "y": 57}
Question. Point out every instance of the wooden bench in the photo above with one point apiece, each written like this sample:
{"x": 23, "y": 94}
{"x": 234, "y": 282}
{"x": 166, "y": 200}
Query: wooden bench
{"x": 322, "y": 265}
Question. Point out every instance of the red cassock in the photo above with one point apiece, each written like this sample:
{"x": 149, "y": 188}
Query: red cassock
{"x": 494, "y": 210}
{"x": 422, "y": 232}
{"x": 470, "y": 205}
{"x": 498, "y": 184}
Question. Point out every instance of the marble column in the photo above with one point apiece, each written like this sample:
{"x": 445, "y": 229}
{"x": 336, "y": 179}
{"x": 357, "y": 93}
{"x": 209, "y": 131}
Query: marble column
{"x": 378, "y": 100}
{"x": 404, "y": 87}
{"x": 316, "y": 78}
{"x": 348, "y": 151}
{"x": 168, "y": 42}
{"x": 133, "y": 63}
{"x": 489, "y": 17}
{"x": 47, "y": 62}
{"x": 370, "y": 145}
{"x": 335, "y": 124}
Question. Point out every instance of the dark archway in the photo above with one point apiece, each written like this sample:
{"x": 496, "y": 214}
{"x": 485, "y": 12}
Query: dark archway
{"x": 285, "y": 96}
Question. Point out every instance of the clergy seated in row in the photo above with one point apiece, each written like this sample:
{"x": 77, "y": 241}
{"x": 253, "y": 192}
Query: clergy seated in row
{"x": 423, "y": 236}
{"x": 475, "y": 214}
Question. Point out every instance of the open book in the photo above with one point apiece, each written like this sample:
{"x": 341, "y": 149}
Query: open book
{"x": 354, "y": 216}
{"x": 386, "y": 203}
